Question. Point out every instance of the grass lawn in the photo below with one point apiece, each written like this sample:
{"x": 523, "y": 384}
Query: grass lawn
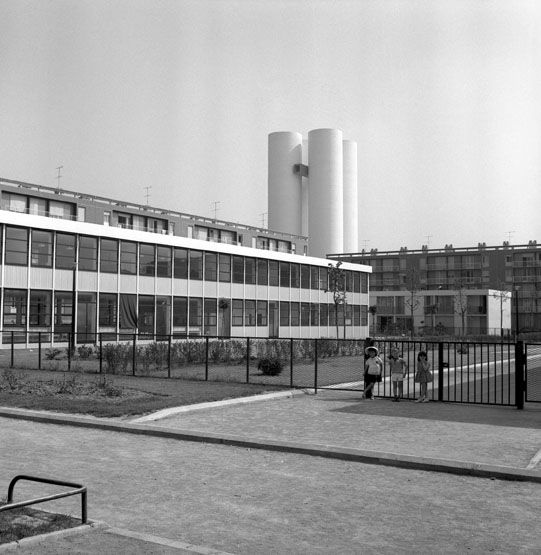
{"x": 112, "y": 396}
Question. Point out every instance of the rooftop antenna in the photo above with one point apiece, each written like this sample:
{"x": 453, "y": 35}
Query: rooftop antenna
{"x": 147, "y": 193}
{"x": 509, "y": 234}
{"x": 428, "y": 237}
{"x": 263, "y": 215}
{"x": 58, "y": 176}
{"x": 216, "y": 203}
{"x": 365, "y": 243}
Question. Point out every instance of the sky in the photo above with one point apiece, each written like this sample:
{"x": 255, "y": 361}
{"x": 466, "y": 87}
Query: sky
{"x": 442, "y": 97}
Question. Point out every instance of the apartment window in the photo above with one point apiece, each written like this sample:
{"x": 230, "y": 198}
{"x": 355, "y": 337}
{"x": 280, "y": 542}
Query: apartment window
{"x": 249, "y": 271}
{"x": 88, "y": 253}
{"x": 16, "y": 246}
{"x": 261, "y": 313}
{"x": 323, "y": 279}
{"x": 109, "y": 256}
{"x": 294, "y": 313}
{"x": 236, "y": 312}
{"x": 364, "y": 315}
{"x": 196, "y": 312}
{"x": 305, "y": 277}
{"x": 128, "y": 258}
{"x": 181, "y": 263}
{"x": 314, "y": 277}
{"x": 14, "y": 307}
{"x": 305, "y": 314}
{"x": 356, "y": 282}
{"x": 163, "y": 261}
{"x": 249, "y": 313}
{"x": 356, "y": 315}
{"x": 15, "y": 203}
{"x": 284, "y": 313}
{"x": 262, "y": 272}
{"x": 295, "y": 276}
{"x": 42, "y": 249}
{"x": 180, "y": 311}
{"x": 211, "y": 266}
{"x": 284, "y": 274}
{"x": 196, "y": 265}
{"x": 273, "y": 273}
{"x": 61, "y": 210}
{"x": 364, "y": 283}
{"x": 107, "y": 310}
{"x": 40, "y": 308}
{"x": 323, "y": 315}
{"x": 63, "y": 308}
{"x": 106, "y": 218}
{"x": 314, "y": 314}
{"x": 210, "y": 317}
{"x": 147, "y": 259}
{"x": 37, "y": 206}
{"x": 81, "y": 214}
{"x": 238, "y": 269}
{"x": 65, "y": 251}
{"x": 225, "y": 268}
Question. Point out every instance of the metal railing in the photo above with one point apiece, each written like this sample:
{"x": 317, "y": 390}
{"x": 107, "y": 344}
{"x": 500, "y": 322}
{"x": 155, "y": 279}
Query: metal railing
{"x": 79, "y": 489}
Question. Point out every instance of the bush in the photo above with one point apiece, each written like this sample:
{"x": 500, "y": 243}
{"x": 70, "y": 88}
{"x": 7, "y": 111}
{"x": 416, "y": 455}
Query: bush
{"x": 270, "y": 366}
{"x": 52, "y": 354}
{"x": 85, "y": 351}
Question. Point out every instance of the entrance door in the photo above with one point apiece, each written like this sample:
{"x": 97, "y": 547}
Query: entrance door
{"x": 274, "y": 321}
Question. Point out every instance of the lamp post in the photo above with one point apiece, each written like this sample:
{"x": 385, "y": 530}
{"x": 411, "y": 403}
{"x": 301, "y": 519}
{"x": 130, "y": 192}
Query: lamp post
{"x": 73, "y": 305}
{"x": 517, "y": 289}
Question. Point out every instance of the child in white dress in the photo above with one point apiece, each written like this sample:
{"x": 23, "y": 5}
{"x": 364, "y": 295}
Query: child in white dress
{"x": 398, "y": 369}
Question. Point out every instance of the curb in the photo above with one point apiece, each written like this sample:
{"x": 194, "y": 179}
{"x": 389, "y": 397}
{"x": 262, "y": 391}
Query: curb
{"x": 327, "y": 451}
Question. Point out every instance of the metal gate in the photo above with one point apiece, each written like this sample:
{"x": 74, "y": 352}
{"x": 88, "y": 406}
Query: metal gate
{"x": 532, "y": 372}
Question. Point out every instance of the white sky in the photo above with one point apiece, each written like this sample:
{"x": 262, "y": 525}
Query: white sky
{"x": 443, "y": 98}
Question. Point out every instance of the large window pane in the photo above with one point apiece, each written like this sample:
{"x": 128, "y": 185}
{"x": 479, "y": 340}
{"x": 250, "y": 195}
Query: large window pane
{"x": 364, "y": 283}
{"x": 314, "y": 314}
{"x": 63, "y": 310}
{"x": 356, "y": 282}
{"x": 128, "y": 258}
{"x": 88, "y": 253}
{"x": 284, "y": 274}
{"x": 274, "y": 273}
{"x": 295, "y": 313}
{"x": 356, "y": 315}
{"x": 146, "y": 314}
{"x": 323, "y": 315}
{"x": 237, "y": 312}
{"x": 196, "y": 312}
{"x": 262, "y": 272}
{"x": 14, "y": 307}
{"x": 305, "y": 277}
{"x": 181, "y": 263}
{"x": 16, "y": 246}
{"x": 108, "y": 310}
{"x": 163, "y": 264}
{"x": 225, "y": 268}
{"x": 238, "y": 269}
{"x": 305, "y": 314}
{"x": 180, "y": 312}
{"x": 249, "y": 271}
{"x": 147, "y": 260}
{"x": 42, "y": 248}
{"x": 284, "y": 313}
{"x": 40, "y": 308}
{"x": 109, "y": 256}
{"x": 261, "y": 313}
{"x": 65, "y": 251}
{"x": 314, "y": 277}
{"x": 86, "y": 317}
{"x": 196, "y": 265}
{"x": 295, "y": 276}
{"x": 249, "y": 313}
{"x": 211, "y": 266}
{"x": 210, "y": 317}
{"x": 323, "y": 279}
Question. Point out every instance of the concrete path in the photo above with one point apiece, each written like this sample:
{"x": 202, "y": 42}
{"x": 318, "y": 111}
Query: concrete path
{"x": 239, "y": 500}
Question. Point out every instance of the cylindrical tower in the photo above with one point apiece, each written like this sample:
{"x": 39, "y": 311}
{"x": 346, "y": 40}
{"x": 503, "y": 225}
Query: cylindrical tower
{"x": 284, "y": 190}
{"x": 326, "y": 192}
{"x": 351, "y": 200}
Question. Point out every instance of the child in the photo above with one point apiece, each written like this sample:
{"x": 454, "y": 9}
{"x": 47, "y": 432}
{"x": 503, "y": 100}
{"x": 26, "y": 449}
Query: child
{"x": 373, "y": 367}
{"x": 423, "y": 376}
{"x": 398, "y": 368}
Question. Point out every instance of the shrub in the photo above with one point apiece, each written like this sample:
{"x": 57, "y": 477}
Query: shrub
{"x": 10, "y": 380}
{"x": 270, "y": 366}
{"x": 117, "y": 357}
{"x": 52, "y": 354}
{"x": 85, "y": 351}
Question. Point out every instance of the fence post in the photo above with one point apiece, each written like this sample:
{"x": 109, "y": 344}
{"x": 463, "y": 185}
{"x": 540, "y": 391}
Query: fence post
{"x": 12, "y": 349}
{"x": 101, "y": 352}
{"x": 291, "y": 363}
{"x": 315, "y": 365}
{"x": 169, "y": 356}
{"x": 133, "y": 353}
{"x": 39, "y": 350}
{"x": 247, "y": 360}
{"x": 206, "y": 359}
{"x": 440, "y": 371}
{"x": 69, "y": 351}
{"x": 519, "y": 375}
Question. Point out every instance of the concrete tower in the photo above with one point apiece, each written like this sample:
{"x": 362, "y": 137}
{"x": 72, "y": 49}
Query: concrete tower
{"x": 351, "y": 199}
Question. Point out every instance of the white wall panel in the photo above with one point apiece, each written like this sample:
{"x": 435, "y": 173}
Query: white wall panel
{"x": 41, "y": 278}
{"x": 351, "y": 199}
{"x": 16, "y": 277}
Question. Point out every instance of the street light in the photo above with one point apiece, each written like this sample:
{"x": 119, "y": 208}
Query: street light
{"x": 517, "y": 289}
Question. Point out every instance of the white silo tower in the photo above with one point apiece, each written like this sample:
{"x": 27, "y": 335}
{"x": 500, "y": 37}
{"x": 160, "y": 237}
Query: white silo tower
{"x": 351, "y": 200}
{"x": 326, "y": 192}
{"x": 284, "y": 184}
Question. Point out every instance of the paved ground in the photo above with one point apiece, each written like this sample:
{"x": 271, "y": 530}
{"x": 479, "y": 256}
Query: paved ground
{"x": 239, "y": 500}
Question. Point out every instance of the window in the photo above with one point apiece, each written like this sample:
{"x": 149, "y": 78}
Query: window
{"x": 196, "y": 312}
{"x": 42, "y": 249}
{"x": 88, "y": 253}
{"x": 16, "y": 246}
{"x": 314, "y": 277}
{"x": 147, "y": 260}
{"x": 294, "y": 313}
{"x": 323, "y": 279}
{"x": 261, "y": 313}
{"x": 349, "y": 281}
{"x": 238, "y": 269}
{"x": 262, "y": 272}
{"x": 314, "y": 314}
{"x": 305, "y": 277}
{"x": 63, "y": 309}
{"x": 356, "y": 315}
{"x": 63, "y": 210}
{"x": 323, "y": 315}
{"x": 356, "y": 282}
{"x": 211, "y": 266}
{"x": 128, "y": 258}
{"x": 225, "y": 268}
{"x": 65, "y": 251}
{"x": 14, "y": 307}
{"x": 180, "y": 311}
{"x": 236, "y": 312}
{"x": 210, "y": 317}
{"x": 249, "y": 313}
{"x": 181, "y": 263}
{"x": 249, "y": 271}
{"x": 109, "y": 256}
{"x": 273, "y": 273}
{"x": 284, "y": 274}
{"x": 284, "y": 313}
{"x": 331, "y": 311}
{"x": 349, "y": 314}
{"x": 364, "y": 283}
{"x": 106, "y": 218}
{"x": 364, "y": 315}
{"x": 196, "y": 265}
{"x": 107, "y": 310}
{"x": 40, "y": 308}
{"x": 305, "y": 314}
{"x": 163, "y": 261}
{"x": 295, "y": 276}
{"x": 145, "y": 317}
{"x": 15, "y": 203}
{"x": 81, "y": 214}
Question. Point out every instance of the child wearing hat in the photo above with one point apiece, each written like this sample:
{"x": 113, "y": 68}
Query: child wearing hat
{"x": 373, "y": 368}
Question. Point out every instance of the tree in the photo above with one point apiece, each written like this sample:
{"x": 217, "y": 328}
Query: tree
{"x": 413, "y": 286}
{"x": 503, "y": 295}
{"x": 461, "y": 304}
{"x": 337, "y": 286}
{"x": 373, "y": 310}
